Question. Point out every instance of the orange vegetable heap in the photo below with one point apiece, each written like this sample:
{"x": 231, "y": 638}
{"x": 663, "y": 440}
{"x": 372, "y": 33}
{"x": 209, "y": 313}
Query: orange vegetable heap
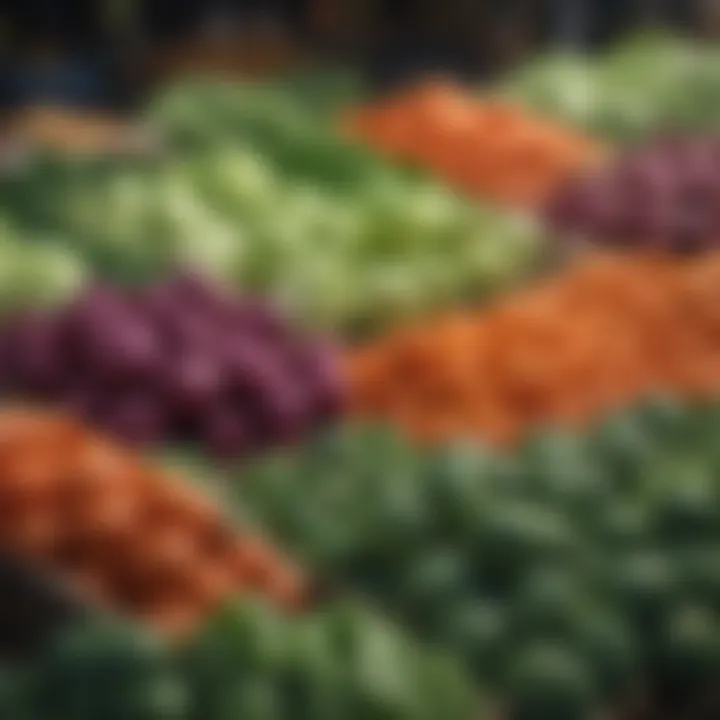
{"x": 608, "y": 331}
{"x": 489, "y": 148}
{"x": 127, "y": 536}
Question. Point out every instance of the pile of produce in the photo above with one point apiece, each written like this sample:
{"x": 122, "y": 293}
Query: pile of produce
{"x": 278, "y": 205}
{"x": 250, "y": 663}
{"x": 489, "y": 148}
{"x": 644, "y": 86}
{"x": 565, "y": 575}
{"x": 520, "y": 498}
{"x": 180, "y": 361}
{"x": 340, "y": 662}
{"x": 601, "y": 334}
{"x": 277, "y": 120}
{"x": 663, "y": 196}
{"x": 125, "y": 536}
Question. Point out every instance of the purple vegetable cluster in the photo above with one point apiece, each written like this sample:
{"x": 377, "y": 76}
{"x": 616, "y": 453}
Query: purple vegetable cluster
{"x": 180, "y": 361}
{"x": 664, "y": 196}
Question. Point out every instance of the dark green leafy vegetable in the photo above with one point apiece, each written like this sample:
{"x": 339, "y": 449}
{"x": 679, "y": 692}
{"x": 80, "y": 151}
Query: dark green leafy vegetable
{"x": 249, "y": 663}
{"x": 339, "y": 663}
{"x": 586, "y": 548}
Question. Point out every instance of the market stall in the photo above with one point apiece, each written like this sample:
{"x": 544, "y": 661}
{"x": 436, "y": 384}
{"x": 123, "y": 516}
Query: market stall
{"x": 329, "y": 405}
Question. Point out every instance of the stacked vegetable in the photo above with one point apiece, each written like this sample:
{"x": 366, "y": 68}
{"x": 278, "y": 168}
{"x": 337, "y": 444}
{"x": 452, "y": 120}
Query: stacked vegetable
{"x": 126, "y": 536}
{"x": 277, "y": 204}
{"x": 135, "y": 541}
{"x": 567, "y": 574}
{"x": 279, "y": 120}
{"x": 490, "y": 148}
{"x": 565, "y": 569}
{"x": 605, "y": 332}
{"x": 340, "y": 662}
{"x": 178, "y": 361}
{"x": 250, "y": 663}
{"x": 663, "y": 196}
{"x": 646, "y": 85}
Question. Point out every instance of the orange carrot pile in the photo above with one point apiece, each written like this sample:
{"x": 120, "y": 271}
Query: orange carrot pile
{"x": 608, "y": 331}
{"x": 123, "y": 534}
{"x": 489, "y": 148}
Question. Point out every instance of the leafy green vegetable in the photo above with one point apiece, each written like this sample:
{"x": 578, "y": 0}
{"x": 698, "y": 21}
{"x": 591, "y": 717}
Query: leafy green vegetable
{"x": 336, "y": 663}
{"x": 258, "y": 190}
{"x": 646, "y": 85}
{"x": 586, "y": 546}
{"x": 249, "y": 663}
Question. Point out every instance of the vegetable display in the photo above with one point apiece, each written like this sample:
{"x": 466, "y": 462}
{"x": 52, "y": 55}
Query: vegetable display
{"x": 275, "y": 204}
{"x": 336, "y": 663}
{"x": 491, "y": 149}
{"x": 663, "y": 196}
{"x": 277, "y": 120}
{"x": 605, "y": 332}
{"x": 180, "y": 361}
{"x": 500, "y": 511}
{"x": 122, "y": 534}
{"x": 566, "y": 574}
{"x": 250, "y": 663}
{"x": 647, "y": 85}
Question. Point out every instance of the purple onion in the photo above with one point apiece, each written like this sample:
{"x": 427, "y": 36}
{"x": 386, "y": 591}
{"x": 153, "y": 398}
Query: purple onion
{"x": 180, "y": 361}
{"x": 663, "y": 196}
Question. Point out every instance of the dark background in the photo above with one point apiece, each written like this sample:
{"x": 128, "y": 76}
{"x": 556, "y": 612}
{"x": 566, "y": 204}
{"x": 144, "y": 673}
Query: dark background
{"x": 102, "y": 55}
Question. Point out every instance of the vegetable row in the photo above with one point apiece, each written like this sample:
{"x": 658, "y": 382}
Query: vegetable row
{"x": 184, "y": 614}
{"x": 127, "y": 536}
{"x": 187, "y": 363}
{"x": 276, "y": 203}
{"x": 606, "y": 331}
{"x": 644, "y": 86}
{"x": 490, "y": 148}
{"x": 247, "y": 662}
{"x": 661, "y": 196}
{"x": 563, "y": 576}
{"x": 258, "y": 191}
{"x": 566, "y": 574}
{"x": 180, "y": 361}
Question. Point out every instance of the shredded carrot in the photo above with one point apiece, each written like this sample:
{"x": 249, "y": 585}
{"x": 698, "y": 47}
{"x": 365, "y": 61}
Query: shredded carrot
{"x": 126, "y": 534}
{"x": 604, "y": 333}
{"x": 489, "y": 148}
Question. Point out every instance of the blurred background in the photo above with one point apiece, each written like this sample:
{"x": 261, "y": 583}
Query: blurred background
{"x": 86, "y": 52}
{"x": 313, "y": 208}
